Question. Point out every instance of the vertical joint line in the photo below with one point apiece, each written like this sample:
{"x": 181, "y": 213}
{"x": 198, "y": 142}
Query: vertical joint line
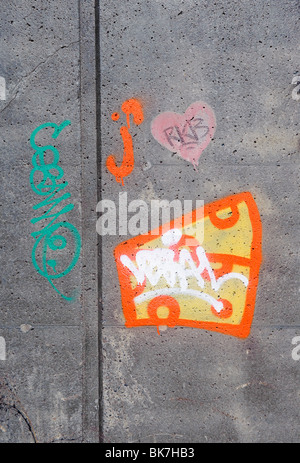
{"x": 99, "y": 196}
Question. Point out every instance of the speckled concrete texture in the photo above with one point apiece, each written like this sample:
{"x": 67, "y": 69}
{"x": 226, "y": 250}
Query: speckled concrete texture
{"x": 70, "y": 371}
{"x": 51, "y": 366}
{"x": 190, "y": 385}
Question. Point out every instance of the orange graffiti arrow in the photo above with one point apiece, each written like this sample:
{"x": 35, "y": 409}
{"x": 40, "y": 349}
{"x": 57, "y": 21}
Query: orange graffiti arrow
{"x": 131, "y": 106}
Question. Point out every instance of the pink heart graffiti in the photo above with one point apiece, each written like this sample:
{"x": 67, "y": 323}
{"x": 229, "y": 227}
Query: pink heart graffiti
{"x": 186, "y": 134}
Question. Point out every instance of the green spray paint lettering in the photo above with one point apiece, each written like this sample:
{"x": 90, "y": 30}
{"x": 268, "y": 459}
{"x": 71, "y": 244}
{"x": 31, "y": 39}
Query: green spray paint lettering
{"x": 44, "y": 180}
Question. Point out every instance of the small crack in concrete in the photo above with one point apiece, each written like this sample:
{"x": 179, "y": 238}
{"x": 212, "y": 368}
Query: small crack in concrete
{"x": 24, "y": 78}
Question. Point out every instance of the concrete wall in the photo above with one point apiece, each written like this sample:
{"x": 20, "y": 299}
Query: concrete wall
{"x": 70, "y": 371}
{"x": 48, "y": 62}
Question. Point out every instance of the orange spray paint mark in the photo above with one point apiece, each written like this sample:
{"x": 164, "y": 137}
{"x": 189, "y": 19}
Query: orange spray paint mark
{"x": 115, "y": 116}
{"x": 134, "y": 108}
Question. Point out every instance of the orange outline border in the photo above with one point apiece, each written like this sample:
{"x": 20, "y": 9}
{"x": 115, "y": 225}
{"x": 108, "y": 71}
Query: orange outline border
{"x": 130, "y": 247}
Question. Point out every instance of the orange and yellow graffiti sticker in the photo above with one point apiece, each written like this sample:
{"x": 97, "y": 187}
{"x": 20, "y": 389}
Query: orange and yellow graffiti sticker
{"x": 201, "y": 275}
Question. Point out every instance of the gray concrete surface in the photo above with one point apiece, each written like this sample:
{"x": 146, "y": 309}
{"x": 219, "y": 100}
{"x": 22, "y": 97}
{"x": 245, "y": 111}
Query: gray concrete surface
{"x": 72, "y": 372}
{"x": 51, "y": 368}
{"x": 190, "y": 385}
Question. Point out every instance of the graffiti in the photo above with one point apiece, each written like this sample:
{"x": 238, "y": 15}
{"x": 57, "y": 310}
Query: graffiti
{"x": 2, "y": 89}
{"x": 2, "y": 348}
{"x": 181, "y": 277}
{"x": 134, "y": 108}
{"x": 186, "y": 134}
{"x": 53, "y": 238}
{"x": 296, "y": 90}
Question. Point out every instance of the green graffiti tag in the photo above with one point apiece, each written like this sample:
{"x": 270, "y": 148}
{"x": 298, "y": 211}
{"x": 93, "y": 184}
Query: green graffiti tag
{"x": 44, "y": 179}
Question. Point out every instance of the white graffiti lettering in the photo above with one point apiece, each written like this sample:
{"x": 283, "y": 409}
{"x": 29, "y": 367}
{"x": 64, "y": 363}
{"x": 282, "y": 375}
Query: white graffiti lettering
{"x": 161, "y": 263}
